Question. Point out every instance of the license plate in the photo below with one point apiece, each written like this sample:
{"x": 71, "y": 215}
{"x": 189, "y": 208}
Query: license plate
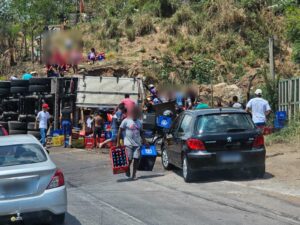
{"x": 230, "y": 158}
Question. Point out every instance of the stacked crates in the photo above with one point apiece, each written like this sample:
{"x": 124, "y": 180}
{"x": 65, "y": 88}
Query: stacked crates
{"x": 148, "y": 158}
{"x": 280, "y": 119}
{"x": 119, "y": 160}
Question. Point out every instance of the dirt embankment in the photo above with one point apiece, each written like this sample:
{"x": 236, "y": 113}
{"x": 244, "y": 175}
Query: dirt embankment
{"x": 283, "y": 162}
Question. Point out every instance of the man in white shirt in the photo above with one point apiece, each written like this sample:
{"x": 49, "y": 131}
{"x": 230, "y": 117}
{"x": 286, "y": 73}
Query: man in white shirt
{"x": 43, "y": 117}
{"x": 259, "y": 108}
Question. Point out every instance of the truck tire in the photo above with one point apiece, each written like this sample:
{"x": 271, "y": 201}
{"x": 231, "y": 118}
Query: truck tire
{"x": 19, "y": 83}
{"x": 5, "y": 84}
{"x": 17, "y": 90}
{"x": 40, "y": 81}
{"x": 12, "y": 132}
{"x": 7, "y": 116}
{"x": 4, "y": 91}
{"x": 31, "y": 118}
{"x": 30, "y": 126}
{"x": 39, "y": 88}
{"x": 16, "y": 125}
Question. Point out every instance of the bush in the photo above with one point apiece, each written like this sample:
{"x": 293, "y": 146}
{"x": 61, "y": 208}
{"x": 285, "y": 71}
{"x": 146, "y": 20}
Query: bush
{"x": 128, "y": 22}
{"x": 144, "y": 25}
{"x": 183, "y": 46}
{"x": 171, "y": 28}
{"x": 287, "y": 134}
{"x": 114, "y": 31}
{"x": 183, "y": 15}
{"x": 130, "y": 33}
{"x": 195, "y": 25}
{"x": 202, "y": 70}
{"x": 296, "y": 52}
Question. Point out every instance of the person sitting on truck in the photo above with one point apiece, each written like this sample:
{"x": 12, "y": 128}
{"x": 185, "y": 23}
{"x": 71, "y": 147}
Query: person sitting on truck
{"x": 133, "y": 137}
{"x": 117, "y": 118}
{"x": 128, "y": 102}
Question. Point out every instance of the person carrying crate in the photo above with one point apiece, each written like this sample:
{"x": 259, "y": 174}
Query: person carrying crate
{"x": 131, "y": 127}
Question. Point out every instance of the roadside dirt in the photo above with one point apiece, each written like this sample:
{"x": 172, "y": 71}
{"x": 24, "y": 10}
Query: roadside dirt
{"x": 283, "y": 163}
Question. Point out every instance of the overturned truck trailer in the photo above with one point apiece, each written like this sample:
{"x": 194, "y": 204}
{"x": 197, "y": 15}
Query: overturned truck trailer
{"x": 107, "y": 92}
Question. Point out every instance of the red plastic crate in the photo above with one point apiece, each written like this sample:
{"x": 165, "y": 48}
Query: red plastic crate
{"x": 119, "y": 160}
{"x": 89, "y": 143}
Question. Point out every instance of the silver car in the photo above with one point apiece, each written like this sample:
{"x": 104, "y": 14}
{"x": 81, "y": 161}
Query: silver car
{"x": 32, "y": 188}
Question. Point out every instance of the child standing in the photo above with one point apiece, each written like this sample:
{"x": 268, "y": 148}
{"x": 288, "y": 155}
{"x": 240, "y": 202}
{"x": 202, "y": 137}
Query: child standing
{"x": 132, "y": 128}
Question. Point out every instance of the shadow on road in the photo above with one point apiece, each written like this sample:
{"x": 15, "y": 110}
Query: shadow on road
{"x": 140, "y": 178}
{"x": 216, "y": 176}
{"x": 71, "y": 220}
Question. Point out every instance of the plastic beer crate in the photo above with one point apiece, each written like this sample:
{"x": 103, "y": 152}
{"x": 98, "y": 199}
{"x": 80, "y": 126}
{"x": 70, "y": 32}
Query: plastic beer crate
{"x": 119, "y": 160}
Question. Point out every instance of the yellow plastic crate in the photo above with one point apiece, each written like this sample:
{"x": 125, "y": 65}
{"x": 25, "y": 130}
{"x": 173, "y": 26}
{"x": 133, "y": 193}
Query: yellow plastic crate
{"x": 58, "y": 141}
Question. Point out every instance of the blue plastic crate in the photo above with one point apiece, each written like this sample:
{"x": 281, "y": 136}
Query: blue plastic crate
{"x": 57, "y": 132}
{"x": 278, "y": 124}
{"x": 281, "y": 115}
{"x": 149, "y": 151}
{"x": 164, "y": 121}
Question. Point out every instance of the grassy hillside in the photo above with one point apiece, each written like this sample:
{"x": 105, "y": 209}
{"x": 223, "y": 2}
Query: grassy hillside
{"x": 196, "y": 41}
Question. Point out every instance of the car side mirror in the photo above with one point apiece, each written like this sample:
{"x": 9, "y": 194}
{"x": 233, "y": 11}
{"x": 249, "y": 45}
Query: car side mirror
{"x": 48, "y": 151}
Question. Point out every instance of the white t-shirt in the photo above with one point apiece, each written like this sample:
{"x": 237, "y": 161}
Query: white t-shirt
{"x": 43, "y": 117}
{"x": 237, "y": 105}
{"x": 259, "y": 107}
{"x": 89, "y": 122}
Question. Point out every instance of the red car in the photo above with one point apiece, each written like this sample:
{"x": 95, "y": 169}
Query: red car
{"x": 3, "y": 132}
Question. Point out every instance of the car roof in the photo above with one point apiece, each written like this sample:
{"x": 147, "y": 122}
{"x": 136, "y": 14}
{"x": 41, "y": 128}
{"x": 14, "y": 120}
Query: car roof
{"x": 18, "y": 139}
{"x": 199, "y": 112}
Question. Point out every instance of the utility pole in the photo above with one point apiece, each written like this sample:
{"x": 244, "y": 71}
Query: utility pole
{"x": 271, "y": 57}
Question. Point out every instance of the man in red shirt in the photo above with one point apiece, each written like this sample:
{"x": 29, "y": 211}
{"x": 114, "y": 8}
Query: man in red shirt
{"x": 128, "y": 102}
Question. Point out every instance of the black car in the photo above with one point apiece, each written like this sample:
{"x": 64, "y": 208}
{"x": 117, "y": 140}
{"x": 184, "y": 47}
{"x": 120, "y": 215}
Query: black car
{"x": 214, "y": 139}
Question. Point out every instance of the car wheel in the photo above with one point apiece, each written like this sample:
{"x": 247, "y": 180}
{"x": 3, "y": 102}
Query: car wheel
{"x": 58, "y": 219}
{"x": 258, "y": 172}
{"x": 165, "y": 159}
{"x": 186, "y": 171}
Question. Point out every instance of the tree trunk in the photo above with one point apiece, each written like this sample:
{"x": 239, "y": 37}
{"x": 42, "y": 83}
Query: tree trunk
{"x": 25, "y": 44}
{"x": 12, "y": 52}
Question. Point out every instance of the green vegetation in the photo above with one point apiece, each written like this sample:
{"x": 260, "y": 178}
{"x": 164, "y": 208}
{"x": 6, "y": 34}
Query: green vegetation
{"x": 288, "y": 134}
{"x": 232, "y": 33}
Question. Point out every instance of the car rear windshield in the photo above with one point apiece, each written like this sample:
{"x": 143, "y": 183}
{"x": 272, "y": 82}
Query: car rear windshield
{"x": 220, "y": 123}
{"x": 12, "y": 155}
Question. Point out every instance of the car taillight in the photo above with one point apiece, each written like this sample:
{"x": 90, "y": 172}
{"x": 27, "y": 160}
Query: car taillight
{"x": 57, "y": 180}
{"x": 259, "y": 141}
{"x": 195, "y": 144}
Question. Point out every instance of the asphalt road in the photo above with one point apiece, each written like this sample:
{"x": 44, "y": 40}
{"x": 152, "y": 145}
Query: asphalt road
{"x": 96, "y": 197}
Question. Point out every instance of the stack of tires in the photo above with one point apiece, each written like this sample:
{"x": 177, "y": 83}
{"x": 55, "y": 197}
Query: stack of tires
{"x": 4, "y": 88}
{"x": 19, "y": 102}
{"x": 19, "y": 86}
{"x": 31, "y": 129}
{"x": 17, "y": 127}
{"x": 39, "y": 85}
